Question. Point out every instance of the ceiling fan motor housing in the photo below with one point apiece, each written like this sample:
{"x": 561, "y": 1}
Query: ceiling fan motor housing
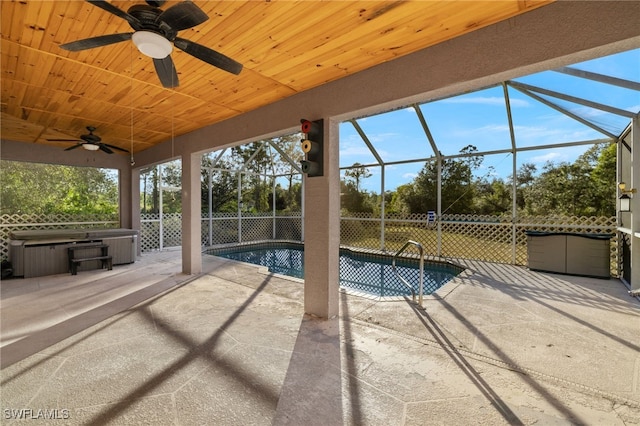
{"x": 148, "y": 17}
{"x": 156, "y": 3}
{"x": 91, "y": 138}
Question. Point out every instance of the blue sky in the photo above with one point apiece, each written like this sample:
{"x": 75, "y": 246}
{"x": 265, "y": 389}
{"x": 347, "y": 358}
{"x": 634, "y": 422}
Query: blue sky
{"x": 480, "y": 119}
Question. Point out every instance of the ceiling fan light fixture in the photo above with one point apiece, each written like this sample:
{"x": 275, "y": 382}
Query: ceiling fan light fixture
{"x": 152, "y": 44}
{"x": 90, "y": 147}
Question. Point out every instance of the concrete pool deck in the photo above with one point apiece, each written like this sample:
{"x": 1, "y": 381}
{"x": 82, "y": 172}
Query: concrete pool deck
{"x": 144, "y": 344}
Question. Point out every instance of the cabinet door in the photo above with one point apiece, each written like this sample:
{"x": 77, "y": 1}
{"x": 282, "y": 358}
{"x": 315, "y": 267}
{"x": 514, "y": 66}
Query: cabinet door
{"x": 123, "y": 249}
{"x": 45, "y": 260}
{"x": 547, "y": 253}
{"x": 588, "y": 256}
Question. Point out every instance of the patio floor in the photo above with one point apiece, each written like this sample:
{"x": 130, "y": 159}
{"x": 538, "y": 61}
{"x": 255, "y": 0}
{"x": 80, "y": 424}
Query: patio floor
{"x": 145, "y": 344}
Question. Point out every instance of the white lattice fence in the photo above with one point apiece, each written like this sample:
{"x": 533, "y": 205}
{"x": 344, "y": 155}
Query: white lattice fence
{"x": 289, "y": 228}
{"x": 257, "y": 228}
{"x": 486, "y": 238}
{"x": 151, "y": 226}
{"x": 172, "y": 230}
{"x": 29, "y": 222}
{"x": 417, "y": 228}
{"x": 150, "y": 235}
{"x": 360, "y": 231}
{"x": 224, "y": 230}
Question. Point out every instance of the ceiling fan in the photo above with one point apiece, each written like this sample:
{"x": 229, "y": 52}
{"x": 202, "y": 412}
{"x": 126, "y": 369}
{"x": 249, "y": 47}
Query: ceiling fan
{"x": 90, "y": 142}
{"x": 154, "y": 31}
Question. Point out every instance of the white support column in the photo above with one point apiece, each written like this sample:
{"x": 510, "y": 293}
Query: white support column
{"x": 210, "y": 206}
{"x": 439, "y": 206}
{"x": 136, "y": 222}
{"x": 239, "y": 207}
{"x": 382, "y": 209}
{"x": 302, "y": 212}
{"x": 126, "y": 192}
{"x": 635, "y": 205}
{"x": 618, "y": 213}
{"x": 273, "y": 209}
{"x": 191, "y": 216}
{"x": 322, "y": 231}
{"x": 160, "y": 209}
{"x": 514, "y": 208}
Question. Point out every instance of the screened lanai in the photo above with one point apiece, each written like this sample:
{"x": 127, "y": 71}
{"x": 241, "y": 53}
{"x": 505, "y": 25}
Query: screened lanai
{"x": 446, "y": 168}
{"x": 447, "y": 74}
{"x": 503, "y": 344}
{"x": 525, "y": 127}
{"x": 518, "y": 127}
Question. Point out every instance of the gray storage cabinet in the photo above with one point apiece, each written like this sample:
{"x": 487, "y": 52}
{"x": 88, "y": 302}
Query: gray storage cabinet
{"x": 569, "y": 253}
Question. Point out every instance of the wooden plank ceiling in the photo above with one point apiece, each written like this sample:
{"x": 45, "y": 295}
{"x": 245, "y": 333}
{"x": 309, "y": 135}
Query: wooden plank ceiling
{"x": 286, "y": 47}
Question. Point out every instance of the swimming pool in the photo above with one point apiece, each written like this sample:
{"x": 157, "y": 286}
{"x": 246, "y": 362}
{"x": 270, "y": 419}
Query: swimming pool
{"x": 367, "y": 273}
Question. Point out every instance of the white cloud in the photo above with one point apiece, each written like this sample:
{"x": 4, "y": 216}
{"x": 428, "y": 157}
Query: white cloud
{"x": 527, "y": 135}
{"x": 355, "y": 151}
{"x": 384, "y": 137}
{"x": 479, "y": 132}
{"x": 550, "y": 156}
{"x": 486, "y": 100}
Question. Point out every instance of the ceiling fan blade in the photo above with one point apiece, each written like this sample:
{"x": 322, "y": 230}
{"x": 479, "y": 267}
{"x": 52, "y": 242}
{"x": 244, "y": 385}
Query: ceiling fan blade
{"x": 103, "y": 148}
{"x": 166, "y": 72}
{"x": 90, "y": 43}
{"x": 183, "y": 15}
{"x": 209, "y": 56}
{"x": 114, "y": 147}
{"x": 132, "y": 20}
{"x": 74, "y": 147}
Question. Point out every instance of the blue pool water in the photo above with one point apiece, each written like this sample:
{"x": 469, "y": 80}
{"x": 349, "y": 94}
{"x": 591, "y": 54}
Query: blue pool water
{"x": 363, "y": 272}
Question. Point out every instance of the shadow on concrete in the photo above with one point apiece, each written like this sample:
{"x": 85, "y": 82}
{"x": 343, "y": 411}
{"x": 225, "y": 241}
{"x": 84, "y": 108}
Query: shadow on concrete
{"x": 581, "y": 321}
{"x": 495, "y": 400}
{"x": 354, "y": 388}
{"x": 312, "y": 390}
{"x": 36, "y": 342}
{"x": 552, "y": 289}
{"x": 195, "y": 350}
{"x": 459, "y": 359}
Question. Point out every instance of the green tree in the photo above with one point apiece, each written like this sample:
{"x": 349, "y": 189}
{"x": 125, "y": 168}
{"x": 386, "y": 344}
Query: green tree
{"x": 525, "y": 178}
{"x": 48, "y": 189}
{"x": 492, "y": 197}
{"x": 457, "y": 185}
{"x": 357, "y": 172}
{"x": 224, "y": 186}
{"x": 171, "y": 184}
{"x": 352, "y": 200}
{"x": 282, "y": 165}
{"x": 149, "y": 197}
{"x": 583, "y": 188}
{"x": 255, "y": 159}
{"x": 604, "y": 179}
{"x": 399, "y": 197}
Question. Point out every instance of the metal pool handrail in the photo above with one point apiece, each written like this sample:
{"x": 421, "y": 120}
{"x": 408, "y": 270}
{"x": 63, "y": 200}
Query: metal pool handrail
{"x": 393, "y": 266}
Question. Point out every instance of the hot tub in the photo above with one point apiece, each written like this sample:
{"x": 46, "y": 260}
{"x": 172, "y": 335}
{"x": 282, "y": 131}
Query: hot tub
{"x": 44, "y": 252}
